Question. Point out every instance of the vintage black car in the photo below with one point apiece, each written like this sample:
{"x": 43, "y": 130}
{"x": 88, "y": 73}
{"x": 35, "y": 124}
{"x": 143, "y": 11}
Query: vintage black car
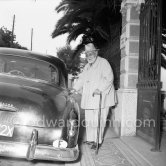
{"x": 38, "y": 117}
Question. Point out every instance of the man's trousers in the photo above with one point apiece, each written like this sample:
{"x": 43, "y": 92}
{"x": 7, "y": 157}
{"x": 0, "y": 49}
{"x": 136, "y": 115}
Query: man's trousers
{"x": 91, "y": 119}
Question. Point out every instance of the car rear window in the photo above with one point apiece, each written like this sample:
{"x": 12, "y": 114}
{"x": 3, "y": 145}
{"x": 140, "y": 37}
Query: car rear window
{"x": 28, "y": 68}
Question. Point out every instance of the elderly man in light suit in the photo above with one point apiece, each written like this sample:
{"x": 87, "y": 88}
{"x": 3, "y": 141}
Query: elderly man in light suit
{"x": 97, "y": 77}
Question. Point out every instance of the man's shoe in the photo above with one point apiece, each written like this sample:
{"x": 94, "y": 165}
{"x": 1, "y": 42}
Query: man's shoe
{"x": 94, "y": 146}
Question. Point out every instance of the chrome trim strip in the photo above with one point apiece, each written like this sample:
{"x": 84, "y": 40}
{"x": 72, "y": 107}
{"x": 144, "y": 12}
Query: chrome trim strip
{"x": 42, "y": 152}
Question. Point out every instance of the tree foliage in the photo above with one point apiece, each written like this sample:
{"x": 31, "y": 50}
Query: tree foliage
{"x": 66, "y": 54}
{"x": 6, "y": 38}
{"x": 91, "y": 19}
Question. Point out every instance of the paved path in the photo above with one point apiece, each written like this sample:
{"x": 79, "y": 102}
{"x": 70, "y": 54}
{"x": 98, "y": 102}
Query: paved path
{"x": 109, "y": 155}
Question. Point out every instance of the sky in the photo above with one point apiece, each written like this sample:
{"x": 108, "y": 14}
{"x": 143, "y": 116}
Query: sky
{"x": 39, "y": 15}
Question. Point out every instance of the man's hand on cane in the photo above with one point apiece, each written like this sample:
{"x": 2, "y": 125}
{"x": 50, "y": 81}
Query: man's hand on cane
{"x": 96, "y": 92}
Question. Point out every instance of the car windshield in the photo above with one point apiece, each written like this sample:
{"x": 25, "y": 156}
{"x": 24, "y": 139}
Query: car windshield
{"x": 28, "y": 68}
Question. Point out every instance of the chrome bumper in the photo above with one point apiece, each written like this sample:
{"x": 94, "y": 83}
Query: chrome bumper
{"x": 42, "y": 152}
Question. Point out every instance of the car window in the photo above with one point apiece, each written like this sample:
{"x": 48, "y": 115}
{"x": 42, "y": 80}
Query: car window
{"x": 29, "y": 68}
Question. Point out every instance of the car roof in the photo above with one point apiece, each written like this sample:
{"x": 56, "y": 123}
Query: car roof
{"x": 35, "y": 55}
{"x": 31, "y": 54}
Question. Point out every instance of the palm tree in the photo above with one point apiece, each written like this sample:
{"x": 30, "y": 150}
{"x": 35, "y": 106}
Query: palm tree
{"x": 91, "y": 19}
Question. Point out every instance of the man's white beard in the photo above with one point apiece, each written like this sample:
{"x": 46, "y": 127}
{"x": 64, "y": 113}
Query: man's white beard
{"x": 91, "y": 61}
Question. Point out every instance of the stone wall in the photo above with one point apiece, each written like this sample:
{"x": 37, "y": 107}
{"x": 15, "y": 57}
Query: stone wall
{"x": 126, "y": 109}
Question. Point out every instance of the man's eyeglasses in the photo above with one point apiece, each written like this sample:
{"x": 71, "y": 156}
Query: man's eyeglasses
{"x": 90, "y": 53}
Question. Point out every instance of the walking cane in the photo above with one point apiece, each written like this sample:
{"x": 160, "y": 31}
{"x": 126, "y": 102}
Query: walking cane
{"x": 98, "y": 127}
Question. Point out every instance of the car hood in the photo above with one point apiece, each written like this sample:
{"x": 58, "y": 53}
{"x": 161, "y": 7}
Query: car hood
{"x": 31, "y": 103}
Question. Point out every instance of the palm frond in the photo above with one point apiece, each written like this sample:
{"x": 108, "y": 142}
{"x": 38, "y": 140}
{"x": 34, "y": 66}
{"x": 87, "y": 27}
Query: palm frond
{"x": 80, "y": 20}
{"x": 56, "y": 33}
{"x": 68, "y": 19}
{"x": 102, "y": 33}
{"x": 76, "y": 31}
{"x": 62, "y": 22}
{"x": 63, "y": 6}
